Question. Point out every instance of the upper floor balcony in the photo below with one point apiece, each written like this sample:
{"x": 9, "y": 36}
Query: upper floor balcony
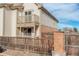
{"x": 28, "y": 20}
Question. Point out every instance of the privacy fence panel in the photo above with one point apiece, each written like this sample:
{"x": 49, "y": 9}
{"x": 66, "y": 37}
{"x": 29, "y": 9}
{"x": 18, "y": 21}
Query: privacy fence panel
{"x": 72, "y": 44}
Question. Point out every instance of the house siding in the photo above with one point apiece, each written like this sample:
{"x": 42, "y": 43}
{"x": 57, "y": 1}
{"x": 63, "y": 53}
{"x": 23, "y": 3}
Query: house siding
{"x": 46, "y": 20}
{"x": 47, "y": 24}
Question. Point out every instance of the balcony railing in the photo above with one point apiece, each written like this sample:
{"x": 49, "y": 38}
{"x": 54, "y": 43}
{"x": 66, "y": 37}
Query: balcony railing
{"x": 28, "y": 19}
{"x": 26, "y": 34}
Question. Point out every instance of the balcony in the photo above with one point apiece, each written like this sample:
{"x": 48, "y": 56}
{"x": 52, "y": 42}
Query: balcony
{"x": 31, "y": 20}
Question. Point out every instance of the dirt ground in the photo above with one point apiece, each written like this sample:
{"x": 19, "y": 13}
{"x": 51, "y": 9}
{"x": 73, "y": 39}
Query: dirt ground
{"x": 10, "y": 52}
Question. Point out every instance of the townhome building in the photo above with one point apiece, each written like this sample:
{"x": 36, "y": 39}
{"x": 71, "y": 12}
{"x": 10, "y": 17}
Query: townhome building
{"x": 25, "y": 20}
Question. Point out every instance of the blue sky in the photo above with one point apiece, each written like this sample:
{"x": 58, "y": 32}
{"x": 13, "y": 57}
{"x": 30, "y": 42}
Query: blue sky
{"x": 66, "y": 13}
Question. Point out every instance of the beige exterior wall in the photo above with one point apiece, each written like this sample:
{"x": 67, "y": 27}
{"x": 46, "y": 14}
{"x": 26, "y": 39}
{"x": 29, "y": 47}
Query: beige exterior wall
{"x": 10, "y": 23}
{"x": 46, "y": 20}
{"x": 31, "y": 6}
{"x": 14, "y": 22}
{"x": 7, "y": 23}
{"x": 1, "y": 20}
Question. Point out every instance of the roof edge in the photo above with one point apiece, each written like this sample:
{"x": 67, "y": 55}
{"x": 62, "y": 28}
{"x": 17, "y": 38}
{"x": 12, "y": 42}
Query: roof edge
{"x": 46, "y": 11}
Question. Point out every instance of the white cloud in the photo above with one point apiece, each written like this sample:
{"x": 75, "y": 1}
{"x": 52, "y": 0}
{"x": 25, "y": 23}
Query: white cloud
{"x": 60, "y": 6}
{"x": 64, "y": 11}
{"x": 68, "y": 16}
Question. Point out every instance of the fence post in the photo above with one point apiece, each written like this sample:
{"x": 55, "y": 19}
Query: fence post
{"x": 58, "y": 43}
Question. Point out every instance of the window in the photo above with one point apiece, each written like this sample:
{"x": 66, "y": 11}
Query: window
{"x": 28, "y": 16}
{"x": 28, "y": 13}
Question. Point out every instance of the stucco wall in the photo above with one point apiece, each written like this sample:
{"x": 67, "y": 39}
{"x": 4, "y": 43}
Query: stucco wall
{"x": 1, "y": 21}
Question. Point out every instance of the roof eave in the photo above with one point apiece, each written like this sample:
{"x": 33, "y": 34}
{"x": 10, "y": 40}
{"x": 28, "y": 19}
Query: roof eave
{"x": 46, "y": 11}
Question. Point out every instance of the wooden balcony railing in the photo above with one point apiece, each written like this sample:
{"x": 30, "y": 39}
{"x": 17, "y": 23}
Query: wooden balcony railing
{"x": 28, "y": 19}
{"x": 26, "y": 34}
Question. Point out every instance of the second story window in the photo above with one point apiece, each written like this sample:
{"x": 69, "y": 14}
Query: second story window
{"x": 28, "y": 16}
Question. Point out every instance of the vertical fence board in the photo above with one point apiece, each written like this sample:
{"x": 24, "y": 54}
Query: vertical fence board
{"x": 36, "y": 45}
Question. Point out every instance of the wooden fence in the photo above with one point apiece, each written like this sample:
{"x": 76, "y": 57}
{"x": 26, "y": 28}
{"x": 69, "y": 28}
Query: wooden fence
{"x": 72, "y": 44}
{"x": 35, "y": 45}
